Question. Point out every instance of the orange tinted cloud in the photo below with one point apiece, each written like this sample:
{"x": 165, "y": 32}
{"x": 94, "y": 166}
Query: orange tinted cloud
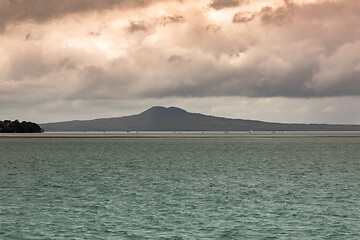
{"x": 111, "y": 50}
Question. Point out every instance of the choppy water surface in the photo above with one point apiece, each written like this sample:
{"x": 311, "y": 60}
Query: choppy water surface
{"x": 180, "y": 188}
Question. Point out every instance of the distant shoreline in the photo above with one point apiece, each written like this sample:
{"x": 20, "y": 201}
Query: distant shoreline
{"x": 171, "y": 137}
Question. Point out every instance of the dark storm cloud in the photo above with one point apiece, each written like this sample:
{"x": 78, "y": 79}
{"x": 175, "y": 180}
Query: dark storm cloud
{"x": 215, "y": 80}
{"x": 263, "y": 76}
{"x": 43, "y": 10}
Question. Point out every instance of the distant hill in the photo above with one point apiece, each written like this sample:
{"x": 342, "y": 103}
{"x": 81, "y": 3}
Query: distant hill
{"x": 177, "y": 119}
{"x": 8, "y": 126}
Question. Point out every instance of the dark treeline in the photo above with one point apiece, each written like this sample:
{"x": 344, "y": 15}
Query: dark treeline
{"x": 8, "y": 126}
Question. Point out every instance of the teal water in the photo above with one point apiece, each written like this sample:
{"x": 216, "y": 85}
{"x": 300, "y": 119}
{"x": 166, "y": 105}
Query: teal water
{"x": 304, "y": 188}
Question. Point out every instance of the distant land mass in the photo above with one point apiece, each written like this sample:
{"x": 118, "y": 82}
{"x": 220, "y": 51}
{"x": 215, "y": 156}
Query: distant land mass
{"x": 176, "y": 119}
{"x": 9, "y": 126}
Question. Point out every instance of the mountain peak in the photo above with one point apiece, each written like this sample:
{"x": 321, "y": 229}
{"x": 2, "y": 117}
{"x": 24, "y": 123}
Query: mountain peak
{"x": 160, "y": 118}
{"x": 160, "y": 110}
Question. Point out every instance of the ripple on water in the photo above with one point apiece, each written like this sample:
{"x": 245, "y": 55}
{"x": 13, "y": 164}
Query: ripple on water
{"x": 180, "y": 189}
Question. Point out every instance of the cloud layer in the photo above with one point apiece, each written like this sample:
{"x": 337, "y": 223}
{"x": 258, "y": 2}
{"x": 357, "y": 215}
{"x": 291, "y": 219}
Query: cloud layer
{"x": 119, "y": 50}
{"x": 40, "y": 11}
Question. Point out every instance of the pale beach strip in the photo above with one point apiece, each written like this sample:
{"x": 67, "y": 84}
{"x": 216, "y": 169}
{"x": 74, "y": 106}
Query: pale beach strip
{"x": 176, "y": 137}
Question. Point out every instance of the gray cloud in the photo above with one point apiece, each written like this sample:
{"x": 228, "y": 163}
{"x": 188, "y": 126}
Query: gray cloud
{"x": 279, "y": 16}
{"x": 28, "y": 36}
{"x": 40, "y": 11}
{"x": 243, "y": 17}
{"x": 171, "y": 19}
{"x": 213, "y": 28}
{"x": 29, "y": 64}
{"x": 95, "y": 34}
{"x": 262, "y": 75}
{"x": 219, "y": 4}
{"x": 176, "y": 58}
{"x": 136, "y": 26}
{"x": 269, "y": 15}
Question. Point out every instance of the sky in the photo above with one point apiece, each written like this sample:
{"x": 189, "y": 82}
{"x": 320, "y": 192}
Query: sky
{"x": 280, "y": 61}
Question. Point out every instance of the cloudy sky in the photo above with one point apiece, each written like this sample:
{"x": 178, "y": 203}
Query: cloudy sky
{"x": 280, "y": 60}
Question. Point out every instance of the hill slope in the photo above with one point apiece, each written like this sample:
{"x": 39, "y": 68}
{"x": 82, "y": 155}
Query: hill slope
{"x": 176, "y": 119}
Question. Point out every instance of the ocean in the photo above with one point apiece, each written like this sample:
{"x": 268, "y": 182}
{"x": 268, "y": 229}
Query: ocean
{"x": 296, "y": 186}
